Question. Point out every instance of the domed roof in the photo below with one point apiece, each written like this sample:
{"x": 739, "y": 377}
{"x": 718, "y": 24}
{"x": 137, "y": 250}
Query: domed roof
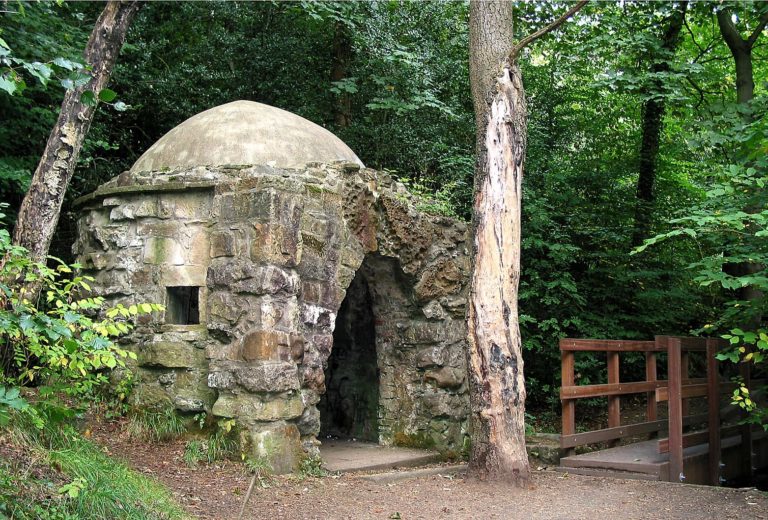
{"x": 244, "y": 132}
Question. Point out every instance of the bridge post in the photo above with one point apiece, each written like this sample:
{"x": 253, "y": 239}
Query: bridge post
{"x": 614, "y": 401}
{"x": 713, "y": 409}
{"x": 568, "y": 405}
{"x": 675, "y": 403}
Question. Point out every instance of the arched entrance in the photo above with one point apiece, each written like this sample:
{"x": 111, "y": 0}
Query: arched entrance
{"x": 350, "y": 406}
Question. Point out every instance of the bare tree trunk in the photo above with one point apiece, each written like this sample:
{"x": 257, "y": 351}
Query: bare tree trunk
{"x": 495, "y": 358}
{"x": 41, "y": 206}
{"x": 497, "y": 386}
{"x": 653, "y": 116}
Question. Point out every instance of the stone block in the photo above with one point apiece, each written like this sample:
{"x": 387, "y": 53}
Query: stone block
{"x": 268, "y": 377}
{"x": 446, "y": 377}
{"x": 171, "y": 354}
{"x": 309, "y": 422}
{"x": 324, "y": 294}
{"x": 263, "y": 345}
{"x": 223, "y": 244}
{"x": 143, "y": 277}
{"x": 313, "y": 378}
{"x": 316, "y": 316}
{"x": 297, "y": 348}
{"x": 269, "y": 279}
{"x": 455, "y": 305}
{"x": 434, "y": 311}
{"x": 147, "y": 208}
{"x": 278, "y": 444}
{"x": 189, "y": 205}
{"x": 163, "y": 250}
{"x": 223, "y": 306}
{"x": 424, "y": 333}
{"x": 199, "y": 249}
{"x": 279, "y": 313}
{"x": 191, "y": 392}
{"x": 265, "y": 377}
{"x": 256, "y": 205}
{"x": 183, "y": 276}
{"x": 249, "y": 408}
{"x": 352, "y": 255}
{"x": 119, "y": 213}
{"x": 443, "y": 278}
{"x": 189, "y": 404}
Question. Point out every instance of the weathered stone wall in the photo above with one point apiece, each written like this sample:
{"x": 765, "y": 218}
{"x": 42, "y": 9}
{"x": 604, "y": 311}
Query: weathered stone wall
{"x": 273, "y": 252}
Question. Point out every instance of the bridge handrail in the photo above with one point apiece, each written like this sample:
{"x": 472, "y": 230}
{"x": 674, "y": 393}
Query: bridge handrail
{"x": 677, "y": 390}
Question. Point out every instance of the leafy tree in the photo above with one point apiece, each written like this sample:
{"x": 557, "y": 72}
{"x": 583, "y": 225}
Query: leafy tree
{"x": 39, "y": 213}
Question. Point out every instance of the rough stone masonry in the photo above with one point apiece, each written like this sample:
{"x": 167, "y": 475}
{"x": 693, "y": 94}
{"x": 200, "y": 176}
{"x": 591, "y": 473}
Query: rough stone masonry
{"x": 254, "y": 262}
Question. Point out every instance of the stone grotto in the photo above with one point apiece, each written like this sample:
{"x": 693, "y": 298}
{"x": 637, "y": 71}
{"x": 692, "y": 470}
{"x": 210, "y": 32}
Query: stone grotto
{"x": 305, "y": 295}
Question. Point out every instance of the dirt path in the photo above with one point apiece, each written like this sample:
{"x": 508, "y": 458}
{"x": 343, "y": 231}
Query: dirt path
{"x": 217, "y": 491}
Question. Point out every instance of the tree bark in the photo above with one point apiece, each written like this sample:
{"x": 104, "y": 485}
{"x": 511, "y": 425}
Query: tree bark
{"x": 497, "y": 385}
{"x": 741, "y": 50}
{"x": 41, "y": 206}
{"x": 494, "y": 356}
{"x": 653, "y": 116}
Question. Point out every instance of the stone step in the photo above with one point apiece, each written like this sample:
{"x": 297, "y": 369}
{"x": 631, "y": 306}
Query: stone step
{"x": 348, "y": 456}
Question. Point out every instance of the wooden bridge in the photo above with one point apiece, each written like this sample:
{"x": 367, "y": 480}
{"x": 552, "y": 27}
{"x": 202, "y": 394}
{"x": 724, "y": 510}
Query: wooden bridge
{"x": 690, "y": 434}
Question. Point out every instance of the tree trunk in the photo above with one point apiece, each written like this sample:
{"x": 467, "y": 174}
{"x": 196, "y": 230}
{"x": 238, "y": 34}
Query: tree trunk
{"x": 741, "y": 50}
{"x": 653, "y": 116}
{"x": 41, "y": 206}
{"x": 342, "y": 55}
{"x": 497, "y": 386}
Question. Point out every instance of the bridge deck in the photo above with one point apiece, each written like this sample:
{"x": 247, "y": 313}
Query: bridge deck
{"x": 641, "y": 460}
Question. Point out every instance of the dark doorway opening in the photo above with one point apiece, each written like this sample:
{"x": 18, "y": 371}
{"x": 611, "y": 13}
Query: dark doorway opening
{"x": 350, "y": 406}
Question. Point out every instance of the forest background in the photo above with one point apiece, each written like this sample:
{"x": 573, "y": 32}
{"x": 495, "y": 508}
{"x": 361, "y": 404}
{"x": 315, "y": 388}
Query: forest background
{"x": 391, "y": 79}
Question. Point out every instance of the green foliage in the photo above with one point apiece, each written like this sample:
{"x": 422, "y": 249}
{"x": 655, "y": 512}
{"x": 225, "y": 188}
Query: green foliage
{"x": 156, "y": 426}
{"x": 59, "y": 344}
{"x": 194, "y": 453}
{"x": 72, "y": 478}
{"x": 312, "y": 467}
{"x": 10, "y": 399}
{"x": 221, "y": 444}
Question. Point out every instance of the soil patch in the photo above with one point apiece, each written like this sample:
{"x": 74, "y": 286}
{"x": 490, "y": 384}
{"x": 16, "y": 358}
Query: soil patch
{"x": 217, "y": 491}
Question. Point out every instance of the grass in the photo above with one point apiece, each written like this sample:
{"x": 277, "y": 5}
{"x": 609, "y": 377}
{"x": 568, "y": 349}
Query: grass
{"x": 219, "y": 446}
{"x": 156, "y": 426}
{"x": 59, "y": 475}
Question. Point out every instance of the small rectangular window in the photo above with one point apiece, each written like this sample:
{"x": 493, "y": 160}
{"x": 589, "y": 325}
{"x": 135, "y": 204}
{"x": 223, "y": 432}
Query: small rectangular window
{"x": 183, "y": 306}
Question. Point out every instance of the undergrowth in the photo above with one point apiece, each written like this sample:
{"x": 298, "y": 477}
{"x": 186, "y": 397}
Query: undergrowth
{"x": 53, "y": 473}
{"x": 221, "y": 444}
{"x": 156, "y": 426}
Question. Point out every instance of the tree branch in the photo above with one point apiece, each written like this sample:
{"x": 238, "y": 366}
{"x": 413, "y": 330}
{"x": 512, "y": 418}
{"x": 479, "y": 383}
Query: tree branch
{"x": 541, "y": 32}
{"x": 731, "y": 35}
{"x": 758, "y": 30}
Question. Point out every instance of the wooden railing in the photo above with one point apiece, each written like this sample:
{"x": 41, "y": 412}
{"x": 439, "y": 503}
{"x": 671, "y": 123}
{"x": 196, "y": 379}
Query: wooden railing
{"x": 676, "y": 391}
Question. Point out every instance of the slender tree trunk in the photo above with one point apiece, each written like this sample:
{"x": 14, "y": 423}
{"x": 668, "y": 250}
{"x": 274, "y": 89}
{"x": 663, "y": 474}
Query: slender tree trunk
{"x": 41, "y": 206}
{"x": 342, "y": 55}
{"x": 653, "y": 117}
{"x": 497, "y": 386}
{"x": 741, "y": 50}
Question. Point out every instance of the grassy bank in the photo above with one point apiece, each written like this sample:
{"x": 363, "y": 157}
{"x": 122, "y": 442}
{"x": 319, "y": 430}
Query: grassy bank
{"x": 56, "y": 474}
